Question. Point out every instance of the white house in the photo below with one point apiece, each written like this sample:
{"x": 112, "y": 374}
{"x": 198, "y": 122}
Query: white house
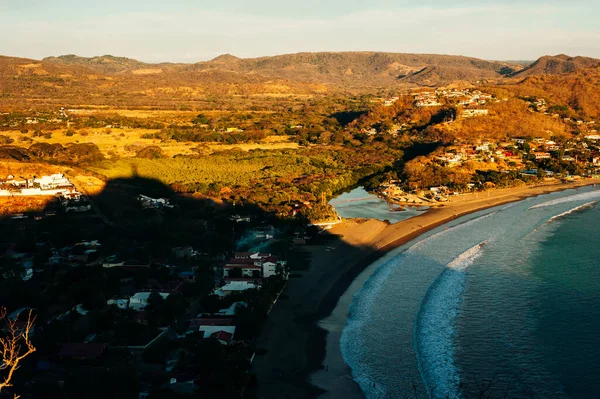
{"x": 140, "y": 300}
{"x": 235, "y": 286}
{"x": 223, "y": 329}
{"x": 468, "y": 113}
{"x": 53, "y": 181}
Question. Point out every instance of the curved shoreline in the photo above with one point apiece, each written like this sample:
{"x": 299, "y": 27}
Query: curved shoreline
{"x": 296, "y": 346}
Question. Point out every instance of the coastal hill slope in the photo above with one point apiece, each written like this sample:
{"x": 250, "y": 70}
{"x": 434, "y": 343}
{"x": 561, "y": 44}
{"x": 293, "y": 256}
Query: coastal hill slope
{"x": 578, "y": 89}
{"x": 559, "y": 64}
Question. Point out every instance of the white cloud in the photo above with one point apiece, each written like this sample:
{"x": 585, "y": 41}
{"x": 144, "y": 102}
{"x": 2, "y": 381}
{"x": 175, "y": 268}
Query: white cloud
{"x": 486, "y": 31}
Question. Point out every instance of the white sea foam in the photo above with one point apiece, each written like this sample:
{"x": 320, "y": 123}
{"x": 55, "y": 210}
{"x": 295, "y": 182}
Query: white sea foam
{"x": 358, "y": 315}
{"x": 577, "y": 208}
{"x": 571, "y": 198}
{"x": 435, "y": 326}
{"x": 449, "y": 230}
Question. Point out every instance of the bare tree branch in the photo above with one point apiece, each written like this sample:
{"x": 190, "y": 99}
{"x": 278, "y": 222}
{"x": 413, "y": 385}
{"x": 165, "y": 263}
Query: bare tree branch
{"x": 15, "y": 346}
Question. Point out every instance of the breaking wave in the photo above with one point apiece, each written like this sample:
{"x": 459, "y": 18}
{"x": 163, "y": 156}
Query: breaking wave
{"x": 572, "y": 198}
{"x": 357, "y": 317}
{"x": 435, "y": 326}
{"x": 576, "y": 209}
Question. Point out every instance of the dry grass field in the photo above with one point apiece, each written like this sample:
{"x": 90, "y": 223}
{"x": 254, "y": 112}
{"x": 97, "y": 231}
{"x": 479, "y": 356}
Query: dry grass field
{"x": 29, "y": 169}
{"x": 12, "y": 205}
{"x": 127, "y": 142}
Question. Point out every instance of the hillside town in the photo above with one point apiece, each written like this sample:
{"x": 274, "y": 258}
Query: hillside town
{"x": 519, "y": 159}
{"x": 129, "y": 308}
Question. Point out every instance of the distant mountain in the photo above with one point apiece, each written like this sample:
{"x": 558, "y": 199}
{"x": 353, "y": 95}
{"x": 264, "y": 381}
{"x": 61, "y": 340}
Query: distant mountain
{"x": 110, "y": 80}
{"x": 558, "y": 64}
{"x": 359, "y": 69}
{"x": 107, "y": 64}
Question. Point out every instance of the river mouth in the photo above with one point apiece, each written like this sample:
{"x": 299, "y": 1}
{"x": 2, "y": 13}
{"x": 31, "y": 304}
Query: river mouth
{"x": 360, "y": 204}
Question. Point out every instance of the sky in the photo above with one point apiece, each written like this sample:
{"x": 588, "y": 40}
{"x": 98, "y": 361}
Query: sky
{"x": 192, "y": 31}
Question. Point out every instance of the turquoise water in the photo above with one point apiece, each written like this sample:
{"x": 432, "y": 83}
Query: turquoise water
{"x": 358, "y": 203}
{"x": 510, "y": 294}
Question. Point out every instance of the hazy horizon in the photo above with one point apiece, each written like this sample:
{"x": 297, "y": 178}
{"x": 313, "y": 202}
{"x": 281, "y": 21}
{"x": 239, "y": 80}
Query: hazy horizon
{"x": 281, "y": 54}
{"x": 188, "y": 31}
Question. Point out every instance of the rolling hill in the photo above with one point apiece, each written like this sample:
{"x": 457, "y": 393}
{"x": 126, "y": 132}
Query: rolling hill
{"x": 121, "y": 81}
{"x": 558, "y": 64}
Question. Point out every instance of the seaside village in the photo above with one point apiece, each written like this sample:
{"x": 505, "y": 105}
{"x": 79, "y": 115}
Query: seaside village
{"x": 151, "y": 323}
{"x": 176, "y": 322}
{"x": 567, "y": 160}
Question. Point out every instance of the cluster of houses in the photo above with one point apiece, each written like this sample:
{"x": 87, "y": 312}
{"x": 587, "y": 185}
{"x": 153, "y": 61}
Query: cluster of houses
{"x": 515, "y": 151}
{"x": 390, "y": 101}
{"x": 465, "y": 97}
{"x": 53, "y": 185}
{"x": 540, "y": 105}
{"x": 154, "y": 203}
{"x": 517, "y": 154}
{"x": 246, "y": 270}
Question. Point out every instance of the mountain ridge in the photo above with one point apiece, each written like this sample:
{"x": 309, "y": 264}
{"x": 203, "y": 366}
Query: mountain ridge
{"x": 557, "y": 64}
{"x": 106, "y": 79}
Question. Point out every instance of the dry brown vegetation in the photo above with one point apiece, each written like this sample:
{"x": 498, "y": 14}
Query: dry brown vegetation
{"x": 559, "y": 64}
{"x": 119, "y": 81}
{"x": 578, "y": 90}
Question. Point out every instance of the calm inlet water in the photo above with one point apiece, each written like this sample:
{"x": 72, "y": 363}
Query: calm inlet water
{"x": 510, "y": 294}
{"x": 358, "y": 203}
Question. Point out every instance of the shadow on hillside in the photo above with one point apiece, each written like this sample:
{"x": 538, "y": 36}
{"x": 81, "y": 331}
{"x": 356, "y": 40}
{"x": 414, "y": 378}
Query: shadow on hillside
{"x": 344, "y": 118}
{"x": 290, "y": 345}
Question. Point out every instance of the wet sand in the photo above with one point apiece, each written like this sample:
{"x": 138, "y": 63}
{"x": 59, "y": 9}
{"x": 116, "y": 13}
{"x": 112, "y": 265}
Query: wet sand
{"x": 303, "y": 359}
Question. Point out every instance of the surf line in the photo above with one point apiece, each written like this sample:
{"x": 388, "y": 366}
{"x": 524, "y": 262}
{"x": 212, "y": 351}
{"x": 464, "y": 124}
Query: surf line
{"x": 577, "y": 208}
{"x": 435, "y": 330}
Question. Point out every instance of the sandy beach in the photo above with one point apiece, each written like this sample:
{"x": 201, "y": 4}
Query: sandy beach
{"x": 300, "y": 359}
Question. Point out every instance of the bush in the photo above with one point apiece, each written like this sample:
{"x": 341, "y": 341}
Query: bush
{"x": 4, "y": 140}
{"x": 151, "y": 152}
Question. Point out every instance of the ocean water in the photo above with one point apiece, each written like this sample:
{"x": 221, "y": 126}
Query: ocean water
{"x": 506, "y": 300}
{"x": 358, "y": 203}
